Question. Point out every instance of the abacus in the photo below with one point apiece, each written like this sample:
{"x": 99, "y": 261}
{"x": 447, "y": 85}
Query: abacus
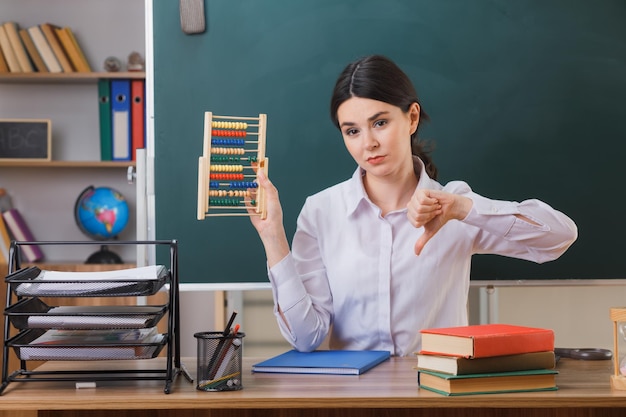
{"x": 233, "y": 151}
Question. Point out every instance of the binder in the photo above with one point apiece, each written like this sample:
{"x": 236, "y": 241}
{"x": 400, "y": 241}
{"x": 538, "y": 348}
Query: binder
{"x": 104, "y": 108}
{"x": 120, "y": 120}
{"x": 137, "y": 115}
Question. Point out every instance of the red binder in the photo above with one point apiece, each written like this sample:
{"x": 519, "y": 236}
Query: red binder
{"x": 138, "y": 119}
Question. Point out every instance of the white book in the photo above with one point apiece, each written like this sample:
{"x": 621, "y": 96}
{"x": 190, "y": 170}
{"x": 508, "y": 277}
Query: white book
{"x": 44, "y": 49}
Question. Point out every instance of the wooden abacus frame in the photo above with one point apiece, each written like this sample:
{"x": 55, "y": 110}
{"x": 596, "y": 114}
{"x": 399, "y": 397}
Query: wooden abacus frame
{"x": 618, "y": 381}
{"x": 226, "y": 194}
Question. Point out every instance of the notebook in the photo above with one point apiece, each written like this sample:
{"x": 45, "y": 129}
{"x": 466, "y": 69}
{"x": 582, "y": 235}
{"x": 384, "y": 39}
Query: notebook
{"x": 337, "y": 362}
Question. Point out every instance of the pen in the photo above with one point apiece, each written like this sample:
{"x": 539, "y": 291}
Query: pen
{"x": 212, "y": 366}
{"x": 230, "y": 323}
{"x": 225, "y": 354}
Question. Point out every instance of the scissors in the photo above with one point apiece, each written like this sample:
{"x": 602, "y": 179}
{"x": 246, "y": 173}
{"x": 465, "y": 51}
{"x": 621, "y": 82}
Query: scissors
{"x": 588, "y": 354}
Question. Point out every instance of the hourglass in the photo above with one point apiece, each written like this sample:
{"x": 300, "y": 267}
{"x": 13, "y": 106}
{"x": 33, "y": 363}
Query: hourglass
{"x": 618, "y": 379}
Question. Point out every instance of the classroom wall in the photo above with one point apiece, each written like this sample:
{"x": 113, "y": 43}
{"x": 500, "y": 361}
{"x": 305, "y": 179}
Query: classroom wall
{"x": 579, "y": 315}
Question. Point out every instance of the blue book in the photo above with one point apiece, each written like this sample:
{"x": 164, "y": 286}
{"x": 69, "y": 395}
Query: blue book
{"x": 338, "y": 362}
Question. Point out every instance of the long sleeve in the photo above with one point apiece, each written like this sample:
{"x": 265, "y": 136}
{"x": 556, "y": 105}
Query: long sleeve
{"x": 306, "y": 304}
{"x": 506, "y": 234}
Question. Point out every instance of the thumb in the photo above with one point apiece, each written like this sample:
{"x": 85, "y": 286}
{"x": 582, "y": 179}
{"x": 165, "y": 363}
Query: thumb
{"x": 262, "y": 179}
{"x": 421, "y": 242}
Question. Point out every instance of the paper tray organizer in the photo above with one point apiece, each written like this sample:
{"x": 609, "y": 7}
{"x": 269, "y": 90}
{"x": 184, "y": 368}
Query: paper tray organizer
{"x": 33, "y": 313}
{"x": 83, "y": 351}
{"x": 30, "y": 282}
{"x": 94, "y": 332}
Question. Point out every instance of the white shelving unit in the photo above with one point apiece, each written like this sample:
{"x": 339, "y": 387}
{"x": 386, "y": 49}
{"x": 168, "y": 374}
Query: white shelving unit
{"x": 46, "y": 193}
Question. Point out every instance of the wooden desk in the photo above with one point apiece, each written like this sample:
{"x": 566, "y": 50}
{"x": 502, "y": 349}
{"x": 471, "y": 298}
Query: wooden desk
{"x": 388, "y": 390}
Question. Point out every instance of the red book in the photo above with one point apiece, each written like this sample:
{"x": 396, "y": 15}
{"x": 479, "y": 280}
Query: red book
{"x": 21, "y": 233}
{"x": 137, "y": 116}
{"x": 486, "y": 340}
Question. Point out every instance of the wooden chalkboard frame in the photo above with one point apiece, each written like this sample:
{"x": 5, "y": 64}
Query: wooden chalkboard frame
{"x": 32, "y": 157}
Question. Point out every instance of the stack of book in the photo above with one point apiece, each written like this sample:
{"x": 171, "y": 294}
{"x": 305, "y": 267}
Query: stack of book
{"x": 40, "y": 48}
{"x": 486, "y": 359}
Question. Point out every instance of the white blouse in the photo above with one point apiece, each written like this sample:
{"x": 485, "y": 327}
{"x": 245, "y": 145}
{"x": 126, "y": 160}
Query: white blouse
{"x": 352, "y": 274}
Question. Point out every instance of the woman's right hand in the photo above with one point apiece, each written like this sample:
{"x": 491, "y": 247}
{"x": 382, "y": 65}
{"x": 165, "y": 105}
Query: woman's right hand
{"x": 270, "y": 229}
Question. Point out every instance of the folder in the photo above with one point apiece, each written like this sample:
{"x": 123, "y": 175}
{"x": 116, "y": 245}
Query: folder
{"x": 104, "y": 108}
{"x": 137, "y": 115}
{"x": 120, "y": 120}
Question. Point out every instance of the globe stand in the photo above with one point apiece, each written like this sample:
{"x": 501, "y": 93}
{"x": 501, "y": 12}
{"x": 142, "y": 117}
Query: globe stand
{"x": 104, "y": 256}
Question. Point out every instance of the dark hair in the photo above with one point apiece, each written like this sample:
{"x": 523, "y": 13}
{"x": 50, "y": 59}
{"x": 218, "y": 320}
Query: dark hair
{"x": 378, "y": 78}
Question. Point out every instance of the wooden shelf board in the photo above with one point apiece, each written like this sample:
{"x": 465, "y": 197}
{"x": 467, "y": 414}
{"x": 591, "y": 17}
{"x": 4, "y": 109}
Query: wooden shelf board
{"x": 67, "y": 164}
{"x": 67, "y": 77}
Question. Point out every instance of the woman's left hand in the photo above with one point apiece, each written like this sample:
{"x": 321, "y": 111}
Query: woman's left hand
{"x": 432, "y": 209}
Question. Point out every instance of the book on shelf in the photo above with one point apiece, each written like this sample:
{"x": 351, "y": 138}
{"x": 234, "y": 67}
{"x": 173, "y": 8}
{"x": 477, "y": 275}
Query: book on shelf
{"x": 12, "y": 31}
{"x": 337, "y": 362}
{"x": 488, "y": 383}
{"x": 33, "y": 53}
{"x": 7, "y": 51}
{"x": 45, "y": 50}
{"x": 4, "y": 67}
{"x": 456, "y": 365}
{"x": 72, "y": 49}
{"x": 20, "y": 231}
{"x": 83, "y": 58}
{"x": 49, "y": 32}
{"x": 5, "y": 242}
{"x": 484, "y": 340}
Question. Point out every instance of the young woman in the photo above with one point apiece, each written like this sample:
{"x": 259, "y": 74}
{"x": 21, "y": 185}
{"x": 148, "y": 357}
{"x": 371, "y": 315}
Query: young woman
{"x": 388, "y": 252}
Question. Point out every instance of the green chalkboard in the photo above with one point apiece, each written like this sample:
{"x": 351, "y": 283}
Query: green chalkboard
{"x": 526, "y": 100}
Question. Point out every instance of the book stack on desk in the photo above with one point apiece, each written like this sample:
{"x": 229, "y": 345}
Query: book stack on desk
{"x": 488, "y": 358}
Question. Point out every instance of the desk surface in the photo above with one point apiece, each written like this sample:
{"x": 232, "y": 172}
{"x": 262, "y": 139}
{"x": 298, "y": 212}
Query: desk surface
{"x": 393, "y": 384}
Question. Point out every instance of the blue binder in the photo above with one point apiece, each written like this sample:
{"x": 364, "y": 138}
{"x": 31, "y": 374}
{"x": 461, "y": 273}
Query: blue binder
{"x": 120, "y": 120}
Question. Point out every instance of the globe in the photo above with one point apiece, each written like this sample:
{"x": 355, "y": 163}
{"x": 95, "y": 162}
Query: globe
{"x": 101, "y": 212}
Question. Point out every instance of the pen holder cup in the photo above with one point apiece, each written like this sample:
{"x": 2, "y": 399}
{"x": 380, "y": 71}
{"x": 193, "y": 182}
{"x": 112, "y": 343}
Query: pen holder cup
{"x": 219, "y": 361}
